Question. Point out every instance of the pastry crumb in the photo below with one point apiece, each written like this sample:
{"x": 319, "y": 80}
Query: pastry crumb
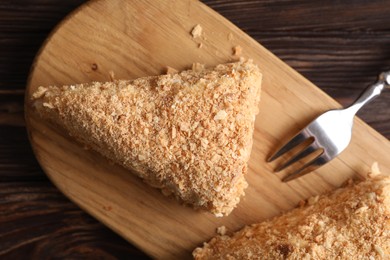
{"x": 230, "y": 36}
{"x": 221, "y": 230}
{"x": 111, "y": 74}
{"x": 220, "y": 115}
{"x": 196, "y": 31}
{"x": 197, "y": 67}
{"x": 40, "y": 92}
{"x": 170, "y": 70}
{"x": 48, "y": 105}
{"x": 374, "y": 170}
{"x": 237, "y": 51}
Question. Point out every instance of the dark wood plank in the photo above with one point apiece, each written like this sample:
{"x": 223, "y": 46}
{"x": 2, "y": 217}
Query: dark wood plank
{"x": 39, "y": 223}
{"x": 301, "y": 15}
{"x": 17, "y": 161}
{"x": 339, "y": 45}
{"x": 24, "y": 25}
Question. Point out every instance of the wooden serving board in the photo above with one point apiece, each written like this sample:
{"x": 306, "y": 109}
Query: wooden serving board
{"x": 138, "y": 38}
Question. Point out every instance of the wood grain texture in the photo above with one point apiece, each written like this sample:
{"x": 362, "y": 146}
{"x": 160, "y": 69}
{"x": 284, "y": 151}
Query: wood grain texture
{"x": 134, "y": 39}
{"x": 38, "y": 222}
{"x": 339, "y": 46}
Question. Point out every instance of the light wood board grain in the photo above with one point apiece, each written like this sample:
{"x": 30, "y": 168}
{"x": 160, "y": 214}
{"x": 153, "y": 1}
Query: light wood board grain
{"x": 139, "y": 38}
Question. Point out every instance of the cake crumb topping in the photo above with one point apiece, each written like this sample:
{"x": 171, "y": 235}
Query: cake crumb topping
{"x": 189, "y": 133}
{"x": 352, "y": 222}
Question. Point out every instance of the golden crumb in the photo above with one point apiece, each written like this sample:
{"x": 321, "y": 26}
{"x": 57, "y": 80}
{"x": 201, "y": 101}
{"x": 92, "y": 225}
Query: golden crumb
{"x": 48, "y": 105}
{"x": 200, "y": 45}
{"x": 350, "y": 223}
{"x": 189, "y": 133}
{"x": 230, "y": 36}
{"x": 374, "y": 170}
{"x": 170, "y": 70}
{"x": 237, "y": 50}
{"x": 197, "y": 67}
{"x": 221, "y": 230}
{"x": 40, "y": 92}
{"x": 220, "y": 115}
{"x": 196, "y": 31}
{"x": 111, "y": 74}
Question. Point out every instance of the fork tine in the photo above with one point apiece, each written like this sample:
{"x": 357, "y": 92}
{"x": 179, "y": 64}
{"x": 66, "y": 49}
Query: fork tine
{"x": 297, "y": 139}
{"x": 305, "y": 152}
{"x": 317, "y": 162}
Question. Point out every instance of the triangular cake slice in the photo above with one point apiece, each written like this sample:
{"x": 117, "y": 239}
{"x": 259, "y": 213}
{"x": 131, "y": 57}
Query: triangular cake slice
{"x": 350, "y": 223}
{"x": 189, "y": 133}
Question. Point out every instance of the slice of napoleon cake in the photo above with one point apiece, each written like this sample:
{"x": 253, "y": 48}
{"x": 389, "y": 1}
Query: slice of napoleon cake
{"x": 189, "y": 134}
{"x": 349, "y": 223}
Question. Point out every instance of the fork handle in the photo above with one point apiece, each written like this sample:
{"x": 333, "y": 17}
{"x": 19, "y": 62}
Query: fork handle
{"x": 371, "y": 92}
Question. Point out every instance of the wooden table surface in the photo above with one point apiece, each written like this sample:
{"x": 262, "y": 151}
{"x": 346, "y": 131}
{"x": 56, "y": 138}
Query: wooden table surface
{"x": 340, "y": 46}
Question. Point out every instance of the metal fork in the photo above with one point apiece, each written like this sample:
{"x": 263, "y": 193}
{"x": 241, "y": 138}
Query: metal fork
{"x": 330, "y": 133}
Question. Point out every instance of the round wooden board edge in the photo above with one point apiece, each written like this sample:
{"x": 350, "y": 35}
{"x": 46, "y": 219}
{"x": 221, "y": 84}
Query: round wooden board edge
{"x": 28, "y": 113}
